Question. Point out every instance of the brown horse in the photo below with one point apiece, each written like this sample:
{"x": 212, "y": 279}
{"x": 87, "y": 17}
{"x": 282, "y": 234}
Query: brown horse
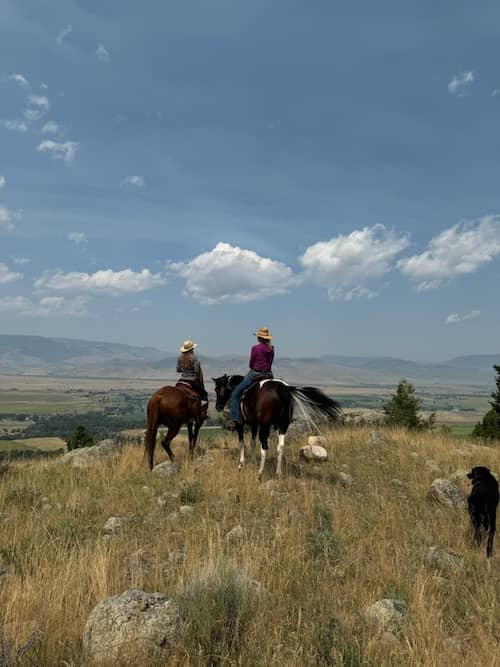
{"x": 270, "y": 403}
{"x": 172, "y": 407}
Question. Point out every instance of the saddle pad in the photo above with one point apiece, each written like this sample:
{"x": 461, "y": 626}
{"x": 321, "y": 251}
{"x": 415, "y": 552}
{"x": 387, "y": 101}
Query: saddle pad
{"x": 263, "y": 382}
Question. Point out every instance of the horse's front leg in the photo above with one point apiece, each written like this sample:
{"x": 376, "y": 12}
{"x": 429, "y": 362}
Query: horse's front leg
{"x": 241, "y": 440}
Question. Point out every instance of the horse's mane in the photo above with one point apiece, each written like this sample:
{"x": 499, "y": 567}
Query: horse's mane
{"x": 234, "y": 380}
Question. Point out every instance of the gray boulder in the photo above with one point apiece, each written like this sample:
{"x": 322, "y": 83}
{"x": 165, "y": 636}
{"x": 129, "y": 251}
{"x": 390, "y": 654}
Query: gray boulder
{"x": 166, "y": 469}
{"x": 446, "y": 493}
{"x": 386, "y": 615}
{"x": 376, "y": 438}
{"x": 439, "y": 559}
{"x": 133, "y": 628}
{"x": 114, "y": 525}
{"x": 84, "y": 457}
{"x": 345, "y": 479}
{"x": 314, "y": 453}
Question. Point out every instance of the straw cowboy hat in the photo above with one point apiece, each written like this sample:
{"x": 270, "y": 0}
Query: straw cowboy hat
{"x": 188, "y": 345}
{"x": 264, "y": 333}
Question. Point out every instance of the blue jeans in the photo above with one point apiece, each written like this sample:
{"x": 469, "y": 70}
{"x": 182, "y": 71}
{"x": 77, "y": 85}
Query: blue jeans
{"x": 249, "y": 379}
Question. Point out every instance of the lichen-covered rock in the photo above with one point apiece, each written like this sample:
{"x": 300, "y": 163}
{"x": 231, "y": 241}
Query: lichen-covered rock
{"x": 166, "y": 469}
{"x": 446, "y": 493}
{"x": 133, "y": 628}
{"x": 345, "y": 479}
{"x": 114, "y": 525}
{"x": 386, "y": 615}
{"x": 84, "y": 457}
{"x": 439, "y": 559}
{"x": 377, "y": 439}
{"x": 314, "y": 453}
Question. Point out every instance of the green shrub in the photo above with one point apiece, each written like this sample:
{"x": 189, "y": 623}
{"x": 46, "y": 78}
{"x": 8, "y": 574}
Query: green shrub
{"x": 191, "y": 493}
{"x": 334, "y": 649}
{"x": 80, "y": 438}
{"x": 216, "y": 610}
{"x": 321, "y": 543}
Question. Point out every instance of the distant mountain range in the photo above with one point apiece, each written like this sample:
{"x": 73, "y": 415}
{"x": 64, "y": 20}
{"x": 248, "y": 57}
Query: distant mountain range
{"x": 36, "y": 355}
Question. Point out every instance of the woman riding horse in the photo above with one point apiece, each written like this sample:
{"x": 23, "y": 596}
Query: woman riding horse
{"x": 190, "y": 368}
{"x": 260, "y": 364}
{"x": 186, "y": 403}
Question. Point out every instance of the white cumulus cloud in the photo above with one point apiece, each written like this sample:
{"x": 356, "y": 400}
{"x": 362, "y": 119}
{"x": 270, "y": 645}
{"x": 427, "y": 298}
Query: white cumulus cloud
{"x": 45, "y": 307}
{"x": 59, "y": 150}
{"x": 138, "y": 181}
{"x": 8, "y": 276}
{"x": 344, "y": 264}
{"x": 229, "y": 273}
{"x": 3, "y": 182}
{"x": 64, "y": 33}
{"x": 455, "y": 318}
{"x": 103, "y": 281}
{"x": 51, "y": 127}
{"x": 21, "y": 261}
{"x": 7, "y": 216}
{"x": 461, "y": 83}
{"x": 21, "y": 80}
{"x": 78, "y": 237}
{"x": 456, "y": 251}
{"x": 103, "y": 54}
{"x": 16, "y": 125}
{"x": 36, "y": 107}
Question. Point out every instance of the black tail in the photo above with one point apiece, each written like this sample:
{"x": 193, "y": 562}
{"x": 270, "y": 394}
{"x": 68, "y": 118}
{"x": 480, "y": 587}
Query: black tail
{"x": 315, "y": 404}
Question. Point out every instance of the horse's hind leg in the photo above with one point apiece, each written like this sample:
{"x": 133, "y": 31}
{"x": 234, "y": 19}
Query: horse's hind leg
{"x": 193, "y": 430}
{"x": 241, "y": 440}
{"x": 264, "y": 431}
{"x": 281, "y": 447}
{"x": 171, "y": 433}
{"x": 255, "y": 428}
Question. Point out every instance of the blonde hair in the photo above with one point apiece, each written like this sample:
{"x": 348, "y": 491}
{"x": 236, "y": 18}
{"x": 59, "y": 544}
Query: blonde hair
{"x": 186, "y": 360}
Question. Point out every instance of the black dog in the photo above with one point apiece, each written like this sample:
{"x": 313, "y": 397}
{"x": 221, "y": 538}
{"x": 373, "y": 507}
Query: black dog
{"x": 483, "y": 502}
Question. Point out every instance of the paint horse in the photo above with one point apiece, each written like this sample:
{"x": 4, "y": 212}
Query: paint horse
{"x": 270, "y": 403}
{"x": 172, "y": 407}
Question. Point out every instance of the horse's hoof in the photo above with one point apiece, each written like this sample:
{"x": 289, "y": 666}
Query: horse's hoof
{"x": 240, "y": 466}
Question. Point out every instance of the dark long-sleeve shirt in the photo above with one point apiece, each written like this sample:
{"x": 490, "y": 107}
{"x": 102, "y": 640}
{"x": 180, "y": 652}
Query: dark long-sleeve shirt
{"x": 261, "y": 358}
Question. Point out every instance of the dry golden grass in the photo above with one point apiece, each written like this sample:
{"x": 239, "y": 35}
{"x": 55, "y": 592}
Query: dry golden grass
{"x": 62, "y": 565}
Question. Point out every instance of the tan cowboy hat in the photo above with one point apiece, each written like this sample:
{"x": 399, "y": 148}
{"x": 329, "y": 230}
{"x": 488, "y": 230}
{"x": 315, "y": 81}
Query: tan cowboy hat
{"x": 188, "y": 345}
{"x": 264, "y": 333}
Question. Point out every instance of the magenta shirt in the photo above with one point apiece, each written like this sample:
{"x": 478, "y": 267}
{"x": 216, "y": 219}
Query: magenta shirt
{"x": 261, "y": 357}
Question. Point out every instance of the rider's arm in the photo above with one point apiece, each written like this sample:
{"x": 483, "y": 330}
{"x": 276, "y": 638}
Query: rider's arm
{"x": 252, "y": 361}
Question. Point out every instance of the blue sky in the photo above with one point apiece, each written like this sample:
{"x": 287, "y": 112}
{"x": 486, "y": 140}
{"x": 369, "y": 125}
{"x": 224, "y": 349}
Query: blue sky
{"x": 330, "y": 170}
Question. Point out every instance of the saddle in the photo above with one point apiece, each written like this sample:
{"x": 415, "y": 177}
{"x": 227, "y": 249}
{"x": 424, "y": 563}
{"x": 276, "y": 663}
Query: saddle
{"x": 192, "y": 395}
{"x": 261, "y": 382}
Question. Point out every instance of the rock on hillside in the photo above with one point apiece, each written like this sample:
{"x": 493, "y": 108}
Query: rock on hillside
{"x": 446, "y": 493}
{"x": 86, "y": 456}
{"x": 133, "y": 628}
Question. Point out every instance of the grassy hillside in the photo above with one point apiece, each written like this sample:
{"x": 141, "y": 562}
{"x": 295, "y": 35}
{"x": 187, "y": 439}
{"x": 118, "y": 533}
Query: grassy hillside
{"x": 315, "y": 582}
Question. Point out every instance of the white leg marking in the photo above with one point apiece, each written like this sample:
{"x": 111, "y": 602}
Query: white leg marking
{"x": 242, "y": 455}
{"x": 281, "y": 447}
{"x": 262, "y": 461}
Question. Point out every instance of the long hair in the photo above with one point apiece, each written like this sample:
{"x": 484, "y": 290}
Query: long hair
{"x": 265, "y": 341}
{"x": 186, "y": 360}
